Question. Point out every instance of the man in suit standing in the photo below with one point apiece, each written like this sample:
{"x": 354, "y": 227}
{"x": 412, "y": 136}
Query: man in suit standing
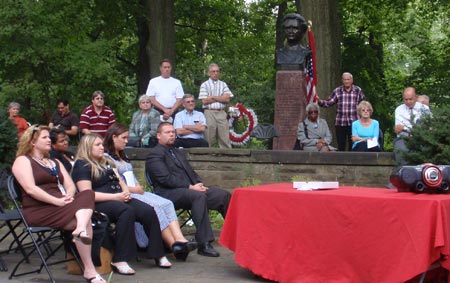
{"x": 174, "y": 179}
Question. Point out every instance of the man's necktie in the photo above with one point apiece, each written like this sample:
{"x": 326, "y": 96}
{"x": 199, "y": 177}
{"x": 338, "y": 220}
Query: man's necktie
{"x": 173, "y": 154}
{"x": 411, "y": 115}
{"x": 186, "y": 173}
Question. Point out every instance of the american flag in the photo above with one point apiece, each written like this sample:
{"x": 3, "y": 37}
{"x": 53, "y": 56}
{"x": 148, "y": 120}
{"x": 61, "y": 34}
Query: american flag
{"x": 311, "y": 75}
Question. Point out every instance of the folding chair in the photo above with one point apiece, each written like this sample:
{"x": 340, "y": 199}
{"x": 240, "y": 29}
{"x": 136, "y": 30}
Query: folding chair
{"x": 45, "y": 241}
{"x": 9, "y": 218}
{"x": 265, "y": 131}
{"x": 12, "y": 220}
{"x": 381, "y": 139}
{"x": 184, "y": 214}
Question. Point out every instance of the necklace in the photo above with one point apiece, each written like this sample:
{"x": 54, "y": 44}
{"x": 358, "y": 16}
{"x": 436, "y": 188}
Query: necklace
{"x": 44, "y": 162}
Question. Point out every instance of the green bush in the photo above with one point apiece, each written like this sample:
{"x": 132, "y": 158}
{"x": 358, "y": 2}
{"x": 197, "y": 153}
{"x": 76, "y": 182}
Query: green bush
{"x": 8, "y": 147}
{"x": 8, "y": 143}
{"x": 430, "y": 139}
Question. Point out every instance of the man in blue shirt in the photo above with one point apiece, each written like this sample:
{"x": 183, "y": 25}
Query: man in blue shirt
{"x": 190, "y": 125}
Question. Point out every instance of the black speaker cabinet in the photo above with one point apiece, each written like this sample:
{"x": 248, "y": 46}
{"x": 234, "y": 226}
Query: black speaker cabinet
{"x": 425, "y": 178}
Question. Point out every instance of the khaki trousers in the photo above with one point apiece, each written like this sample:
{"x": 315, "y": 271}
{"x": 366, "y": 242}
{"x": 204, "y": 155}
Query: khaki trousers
{"x": 217, "y": 126}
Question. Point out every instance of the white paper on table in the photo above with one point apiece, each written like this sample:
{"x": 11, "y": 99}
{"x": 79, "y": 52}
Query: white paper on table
{"x": 308, "y": 186}
{"x": 372, "y": 142}
{"x": 129, "y": 178}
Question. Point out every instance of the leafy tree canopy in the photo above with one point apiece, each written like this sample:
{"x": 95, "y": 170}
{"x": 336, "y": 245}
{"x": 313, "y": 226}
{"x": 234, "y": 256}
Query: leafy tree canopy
{"x": 63, "y": 48}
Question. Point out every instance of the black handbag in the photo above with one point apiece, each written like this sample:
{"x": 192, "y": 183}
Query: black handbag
{"x": 298, "y": 145}
{"x": 101, "y": 237}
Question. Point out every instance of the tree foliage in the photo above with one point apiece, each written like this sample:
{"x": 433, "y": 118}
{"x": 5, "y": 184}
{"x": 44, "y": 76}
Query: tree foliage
{"x": 60, "y": 48}
{"x": 63, "y": 48}
{"x": 430, "y": 140}
{"x": 8, "y": 143}
{"x": 239, "y": 38}
{"x": 389, "y": 45}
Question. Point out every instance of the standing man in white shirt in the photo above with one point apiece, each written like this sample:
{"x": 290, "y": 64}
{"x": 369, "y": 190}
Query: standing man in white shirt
{"x": 165, "y": 92}
{"x": 406, "y": 115}
{"x": 215, "y": 95}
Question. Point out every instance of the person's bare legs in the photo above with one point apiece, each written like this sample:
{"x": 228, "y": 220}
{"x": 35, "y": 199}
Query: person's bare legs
{"x": 175, "y": 229}
{"x": 173, "y": 234}
{"x": 167, "y": 237}
{"x": 83, "y": 217}
{"x": 83, "y": 223}
{"x": 85, "y": 256}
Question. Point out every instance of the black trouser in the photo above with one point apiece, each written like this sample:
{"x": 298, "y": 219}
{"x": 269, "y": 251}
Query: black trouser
{"x": 362, "y": 147}
{"x": 344, "y": 137}
{"x": 400, "y": 149}
{"x": 124, "y": 214}
{"x": 199, "y": 203}
{"x": 188, "y": 143}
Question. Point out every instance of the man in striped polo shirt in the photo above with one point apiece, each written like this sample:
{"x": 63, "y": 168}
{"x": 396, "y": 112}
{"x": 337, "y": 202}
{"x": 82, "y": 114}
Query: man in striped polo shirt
{"x": 215, "y": 95}
{"x": 97, "y": 117}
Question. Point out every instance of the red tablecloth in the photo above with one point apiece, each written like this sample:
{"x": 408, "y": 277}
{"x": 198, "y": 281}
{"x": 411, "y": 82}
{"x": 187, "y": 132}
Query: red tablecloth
{"x": 346, "y": 235}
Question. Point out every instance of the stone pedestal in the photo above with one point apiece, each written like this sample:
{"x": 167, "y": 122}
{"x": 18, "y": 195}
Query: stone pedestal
{"x": 290, "y": 104}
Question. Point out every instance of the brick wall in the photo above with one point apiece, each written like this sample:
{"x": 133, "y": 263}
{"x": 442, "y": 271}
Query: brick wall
{"x": 290, "y": 104}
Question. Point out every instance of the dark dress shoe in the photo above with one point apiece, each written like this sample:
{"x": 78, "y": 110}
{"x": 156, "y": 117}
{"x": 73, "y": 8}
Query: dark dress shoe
{"x": 191, "y": 245}
{"x": 180, "y": 250}
{"x": 206, "y": 249}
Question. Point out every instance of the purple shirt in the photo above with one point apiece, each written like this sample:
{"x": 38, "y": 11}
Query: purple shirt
{"x": 346, "y": 104}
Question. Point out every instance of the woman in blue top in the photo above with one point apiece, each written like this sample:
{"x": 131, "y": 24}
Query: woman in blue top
{"x": 365, "y": 130}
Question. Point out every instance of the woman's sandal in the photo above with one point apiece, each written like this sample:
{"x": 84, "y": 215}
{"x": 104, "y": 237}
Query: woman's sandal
{"x": 97, "y": 277}
{"x": 82, "y": 238}
{"x": 123, "y": 269}
{"x": 163, "y": 262}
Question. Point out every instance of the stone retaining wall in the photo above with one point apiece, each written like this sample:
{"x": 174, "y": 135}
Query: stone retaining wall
{"x": 231, "y": 168}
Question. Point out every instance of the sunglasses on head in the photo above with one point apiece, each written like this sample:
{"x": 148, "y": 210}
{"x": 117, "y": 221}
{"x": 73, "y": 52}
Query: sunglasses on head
{"x": 35, "y": 129}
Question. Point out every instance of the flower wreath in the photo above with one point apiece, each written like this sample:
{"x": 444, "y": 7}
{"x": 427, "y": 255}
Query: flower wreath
{"x": 240, "y": 112}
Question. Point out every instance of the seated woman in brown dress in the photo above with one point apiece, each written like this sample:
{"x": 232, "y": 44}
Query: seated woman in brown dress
{"x": 48, "y": 195}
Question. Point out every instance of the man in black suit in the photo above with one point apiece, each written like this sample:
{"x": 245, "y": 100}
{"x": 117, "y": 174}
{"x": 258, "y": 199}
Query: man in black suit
{"x": 174, "y": 179}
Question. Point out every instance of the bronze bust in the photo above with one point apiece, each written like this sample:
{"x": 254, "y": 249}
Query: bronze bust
{"x": 293, "y": 55}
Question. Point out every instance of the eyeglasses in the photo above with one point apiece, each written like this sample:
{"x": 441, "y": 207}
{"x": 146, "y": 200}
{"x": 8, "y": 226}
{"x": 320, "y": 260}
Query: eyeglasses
{"x": 366, "y": 110}
{"x": 215, "y": 71}
{"x": 313, "y": 112}
{"x": 190, "y": 101}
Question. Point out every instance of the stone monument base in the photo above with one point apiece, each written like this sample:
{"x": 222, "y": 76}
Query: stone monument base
{"x": 290, "y": 104}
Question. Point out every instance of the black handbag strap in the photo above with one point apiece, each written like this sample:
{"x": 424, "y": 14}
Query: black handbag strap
{"x": 306, "y": 129}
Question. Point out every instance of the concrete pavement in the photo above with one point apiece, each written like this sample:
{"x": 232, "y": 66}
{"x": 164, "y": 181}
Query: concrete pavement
{"x": 196, "y": 269}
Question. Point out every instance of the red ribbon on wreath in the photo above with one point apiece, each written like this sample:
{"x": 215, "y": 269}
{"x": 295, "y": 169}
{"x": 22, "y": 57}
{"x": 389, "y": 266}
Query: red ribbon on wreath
{"x": 240, "y": 112}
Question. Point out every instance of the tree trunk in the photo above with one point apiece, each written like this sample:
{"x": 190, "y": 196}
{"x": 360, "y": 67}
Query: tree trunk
{"x": 327, "y": 36}
{"x": 143, "y": 64}
{"x": 279, "y": 35}
{"x": 157, "y": 39}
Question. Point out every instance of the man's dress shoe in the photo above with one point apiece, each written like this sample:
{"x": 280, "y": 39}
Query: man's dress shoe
{"x": 206, "y": 249}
